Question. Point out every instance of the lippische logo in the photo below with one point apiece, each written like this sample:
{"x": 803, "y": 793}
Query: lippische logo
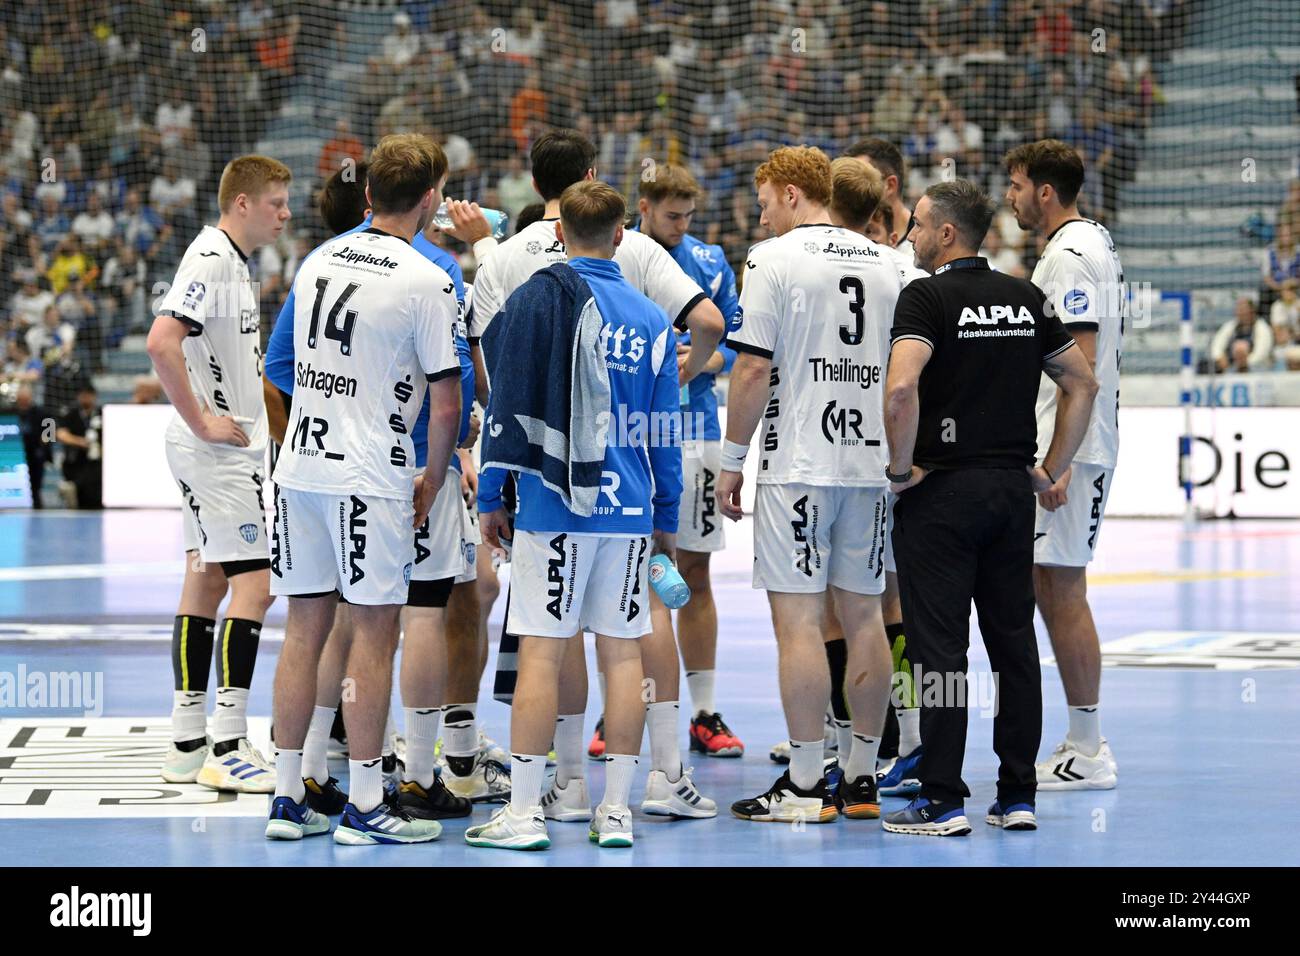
{"x": 248, "y": 532}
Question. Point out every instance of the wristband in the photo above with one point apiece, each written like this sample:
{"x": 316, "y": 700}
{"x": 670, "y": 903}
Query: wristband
{"x": 901, "y": 478}
{"x": 733, "y": 455}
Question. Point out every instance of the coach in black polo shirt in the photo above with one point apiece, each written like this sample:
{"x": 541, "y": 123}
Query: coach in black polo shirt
{"x": 969, "y": 348}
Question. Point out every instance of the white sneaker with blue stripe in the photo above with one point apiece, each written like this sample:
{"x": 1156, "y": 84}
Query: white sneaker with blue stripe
{"x": 241, "y": 770}
{"x": 293, "y": 821}
{"x": 680, "y": 799}
{"x": 386, "y": 823}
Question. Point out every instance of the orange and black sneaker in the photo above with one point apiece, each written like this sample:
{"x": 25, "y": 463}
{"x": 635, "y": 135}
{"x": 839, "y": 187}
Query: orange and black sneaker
{"x": 858, "y": 799}
{"x": 596, "y": 749}
{"x": 712, "y": 737}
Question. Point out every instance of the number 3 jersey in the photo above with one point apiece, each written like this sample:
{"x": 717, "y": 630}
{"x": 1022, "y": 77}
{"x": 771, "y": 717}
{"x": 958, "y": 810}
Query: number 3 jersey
{"x": 819, "y": 302}
{"x": 374, "y": 321}
{"x": 213, "y": 295}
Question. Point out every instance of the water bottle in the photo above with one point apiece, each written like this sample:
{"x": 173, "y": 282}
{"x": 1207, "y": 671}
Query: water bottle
{"x": 667, "y": 582}
{"x": 497, "y": 220}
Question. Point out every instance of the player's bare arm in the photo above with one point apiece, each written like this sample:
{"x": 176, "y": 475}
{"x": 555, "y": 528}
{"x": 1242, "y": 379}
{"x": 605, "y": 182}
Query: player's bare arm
{"x": 903, "y": 409}
{"x": 1073, "y": 375}
{"x": 164, "y": 347}
{"x": 706, "y": 325}
{"x": 746, "y": 398}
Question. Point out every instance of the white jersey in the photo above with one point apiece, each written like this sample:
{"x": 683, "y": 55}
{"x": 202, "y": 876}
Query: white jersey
{"x": 906, "y": 262}
{"x": 645, "y": 264}
{"x": 819, "y": 302}
{"x": 373, "y": 322}
{"x": 1081, "y": 275}
{"x": 213, "y": 294}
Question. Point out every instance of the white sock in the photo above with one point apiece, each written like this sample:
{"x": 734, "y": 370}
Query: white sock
{"x": 366, "y": 783}
{"x": 700, "y": 684}
{"x": 600, "y": 678}
{"x": 422, "y": 725}
{"x": 316, "y": 748}
{"x": 909, "y": 729}
{"x": 288, "y": 775}
{"x": 862, "y": 757}
{"x": 843, "y": 737}
{"x": 665, "y": 747}
{"x": 526, "y": 774}
{"x": 806, "y": 765}
{"x": 230, "y": 718}
{"x": 459, "y": 731}
{"x": 1085, "y": 729}
{"x": 569, "y": 758}
{"x": 189, "y": 715}
{"x": 390, "y": 729}
{"x": 619, "y": 769}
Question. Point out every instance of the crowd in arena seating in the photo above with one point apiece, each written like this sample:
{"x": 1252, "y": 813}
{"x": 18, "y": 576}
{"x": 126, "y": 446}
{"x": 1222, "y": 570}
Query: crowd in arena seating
{"x": 116, "y": 116}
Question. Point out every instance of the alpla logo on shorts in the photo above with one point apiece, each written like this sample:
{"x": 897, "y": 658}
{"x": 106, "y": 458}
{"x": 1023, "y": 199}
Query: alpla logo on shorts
{"x": 357, "y": 535}
{"x": 802, "y": 555}
{"x": 992, "y": 315}
{"x": 421, "y": 536}
{"x": 633, "y": 608}
{"x": 709, "y": 502}
{"x": 1098, "y": 486}
{"x": 555, "y": 575}
{"x": 248, "y": 532}
{"x": 328, "y": 384}
{"x": 838, "y": 423}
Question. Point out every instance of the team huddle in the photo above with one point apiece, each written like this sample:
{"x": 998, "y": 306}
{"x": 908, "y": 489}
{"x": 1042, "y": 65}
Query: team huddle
{"x": 387, "y": 526}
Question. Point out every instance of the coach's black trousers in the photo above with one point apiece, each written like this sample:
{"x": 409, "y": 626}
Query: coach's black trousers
{"x": 962, "y": 536}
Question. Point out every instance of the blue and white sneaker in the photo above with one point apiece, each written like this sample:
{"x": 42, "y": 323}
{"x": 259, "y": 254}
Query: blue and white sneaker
{"x": 386, "y": 823}
{"x": 293, "y": 821}
{"x": 239, "y": 770}
{"x": 898, "y": 777}
{"x": 924, "y": 817}
{"x": 1015, "y": 816}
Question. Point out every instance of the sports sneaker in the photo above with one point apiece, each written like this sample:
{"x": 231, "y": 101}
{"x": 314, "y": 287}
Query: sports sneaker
{"x": 507, "y": 830}
{"x": 780, "y": 753}
{"x": 681, "y": 799}
{"x": 858, "y": 799}
{"x": 611, "y": 826}
{"x": 434, "y": 802}
{"x": 240, "y": 770}
{"x": 786, "y": 803}
{"x": 293, "y": 821}
{"x": 567, "y": 804}
{"x": 386, "y": 823}
{"x": 488, "y": 782}
{"x": 489, "y": 749}
{"x": 327, "y": 798}
{"x": 183, "y": 766}
{"x": 712, "y": 737}
{"x": 392, "y": 767}
{"x": 1015, "y": 816}
{"x": 1069, "y": 768}
{"x": 596, "y": 749}
{"x": 928, "y": 818}
{"x": 898, "y": 777}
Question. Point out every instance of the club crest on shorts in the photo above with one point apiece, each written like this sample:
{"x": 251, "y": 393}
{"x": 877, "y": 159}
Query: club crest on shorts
{"x": 248, "y": 532}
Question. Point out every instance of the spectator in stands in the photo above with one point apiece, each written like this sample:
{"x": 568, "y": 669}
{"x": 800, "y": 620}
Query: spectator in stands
{"x": 147, "y": 390}
{"x": 32, "y": 420}
{"x": 1001, "y": 257}
{"x": 1243, "y": 344}
{"x": 402, "y": 45}
{"x": 140, "y": 225}
{"x": 69, "y": 263}
{"x": 52, "y": 225}
{"x": 53, "y": 339}
{"x": 122, "y": 286}
{"x": 341, "y": 146}
{"x": 27, "y": 306}
{"x": 173, "y": 196}
{"x": 94, "y": 227}
{"x": 20, "y": 366}
{"x": 78, "y": 308}
{"x": 1281, "y": 262}
{"x": 1059, "y": 105}
{"x": 1284, "y": 317}
{"x": 515, "y": 187}
{"x": 173, "y": 116}
{"x": 1095, "y": 139}
{"x": 80, "y": 432}
{"x": 892, "y": 110}
{"x": 1289, "y": 213}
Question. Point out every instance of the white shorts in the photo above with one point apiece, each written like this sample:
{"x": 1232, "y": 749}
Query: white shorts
{"x": 699, "y": 523}
{"x": 221, "y": 500}
{"x": 561, "y": 584}
{"x": 472, "y": 539}
{"x": 361, "y": 547}
{"x": 809, "y": 536}
{"x": 440, "y": 541}
{"x": 890, "y": 566}
{"x": 1067, "y": 537}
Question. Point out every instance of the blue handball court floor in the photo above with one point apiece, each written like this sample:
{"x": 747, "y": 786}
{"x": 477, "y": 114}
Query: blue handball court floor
{"x": 1200, "y": 701}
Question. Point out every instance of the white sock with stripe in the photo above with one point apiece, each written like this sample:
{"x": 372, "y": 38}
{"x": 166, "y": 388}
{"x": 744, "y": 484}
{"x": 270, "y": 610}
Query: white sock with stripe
{"x": 665, "y": 747}
{"x": 619, "y": 770}
{"x": 806, "y": 765}
{"x": 1085, "y": 729}
{"x": 909, "y": 729}
{"x": 700, "y": 684}
{"x": 862, "y": 757}
{"x": 526, "y": 774}
{"x": 422, "y": 725}
{"x": 288, "y": 775}
{"x": 843, "y": 737}
{"x": 366, "y": 783}
{"x": 230, "y": 718}
{"x": 315, "y": 749}
{"x": 189, "y": 715}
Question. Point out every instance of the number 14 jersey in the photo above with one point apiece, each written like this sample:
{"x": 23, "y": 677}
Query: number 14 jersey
{"x": 374, "y": 321}
{"x": 819, "y": 302}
